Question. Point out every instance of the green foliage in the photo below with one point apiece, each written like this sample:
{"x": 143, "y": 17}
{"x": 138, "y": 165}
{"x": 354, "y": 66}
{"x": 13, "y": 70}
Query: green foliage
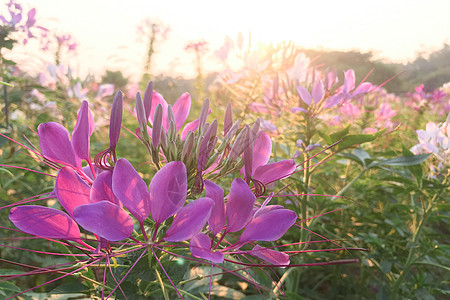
{"x": 116, "y": 78}
{"x": 362, "y": 63}
{"x": 433, "y": 70}
{"x": 384, "y": 198}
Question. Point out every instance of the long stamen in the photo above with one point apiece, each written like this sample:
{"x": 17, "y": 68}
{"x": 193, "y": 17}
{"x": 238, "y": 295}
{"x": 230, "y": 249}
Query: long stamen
{"x": 101, "y": 159}
{"x": 259, "y": 187}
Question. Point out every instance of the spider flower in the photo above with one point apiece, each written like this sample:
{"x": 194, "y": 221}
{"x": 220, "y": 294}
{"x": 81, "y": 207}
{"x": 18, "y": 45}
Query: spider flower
{"x": 103, "y": 218}
{"x": 257, "y": 169}
{"x": 266, "y": 223}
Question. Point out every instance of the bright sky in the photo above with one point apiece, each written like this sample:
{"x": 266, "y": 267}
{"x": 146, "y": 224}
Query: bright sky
{"x": 106, "y": 29}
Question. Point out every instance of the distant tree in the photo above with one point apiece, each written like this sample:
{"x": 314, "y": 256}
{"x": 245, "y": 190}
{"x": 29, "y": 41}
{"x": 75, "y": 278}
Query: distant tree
{"x": 151, "y": 31}
{"x": 433, "y": 70}
{"x": 362, "y": 63}
{"x": 116, "y": 78}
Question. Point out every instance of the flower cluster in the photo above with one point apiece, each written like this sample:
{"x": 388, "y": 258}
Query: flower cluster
{"x": 16, "y": 23}
{"x": 66, "y": 40}
{"x": 107, "y": 196}
{"x": 423, "y": 100}
{"x": 435, "y": 139}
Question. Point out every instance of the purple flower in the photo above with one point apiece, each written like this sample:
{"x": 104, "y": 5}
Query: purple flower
{"x": 103, "y": 218}
{"x": 261, "y": 172}
{"x": 267, "y": 223}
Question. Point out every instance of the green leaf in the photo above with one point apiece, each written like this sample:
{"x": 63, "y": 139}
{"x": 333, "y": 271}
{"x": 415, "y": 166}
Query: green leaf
{"x": 336, "y": 136}
{"x": 8, "y": 44}
{"x": 356, "y": 139}
{"x": 7, "y": 84}
{"x": 404, "y": 160}
{"x": 70, "y": 288}
{"x": 226, "y": 292}
{"x": 428, "y": 263}
{"x": 9, "y": 272}
{"x": 416, "y": 170}
{"x": 325, "y": 137}
{"x": 8, "y": 288}
{"x": 8, "y": 62}
{"x": 6, "y": 171}
{"x": 385, "y": 266}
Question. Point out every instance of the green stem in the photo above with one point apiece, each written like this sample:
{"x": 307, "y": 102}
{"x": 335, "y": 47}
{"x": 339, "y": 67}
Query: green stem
{"x": 348, "y": 185}
{"x": 416, "y": 234}
{"x": 169, "y": 286}
{"x": 5, "y": 95}
{"x": 166, "y": 296}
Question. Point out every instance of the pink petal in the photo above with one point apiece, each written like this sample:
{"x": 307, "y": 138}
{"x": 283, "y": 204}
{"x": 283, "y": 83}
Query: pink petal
{"x": 274, "y": 171}
{"x": 200, "y": 246}
{"x": 105, "y": 219}
{"x": 158, "y": 99}
{"x": 266, "y": 209}
{"x": 349, "y": 81}
{"x": 298, "y": 109}
{"x": 217, "y": 219}
{"x": 168, "y": 190}
{"x": 240, "y": 203}
{"x": 131, "y": 189}
{"x": 268, "y": 225}
{"x": 82, "y": 132}
{"x": 259, "y": 108}
{"x": 181, "y": 110}
{"x": 102, "y": 189}
{"x": 304, "y": 95}
{"x": 55, "y": 144}
{"x": 88, "y": 172}
{"x": 189, "y": 220}
{"x": 191, "y": 126}
{"x": 364, "y": 87}
{"x": 262, "y": 150}
{"x": 45, "y": 222}
{"x": 318, "y": 91}
{"x": 271, "y": 256}
{"x": 333, "y": 100}
{"x": 71, "y": 190}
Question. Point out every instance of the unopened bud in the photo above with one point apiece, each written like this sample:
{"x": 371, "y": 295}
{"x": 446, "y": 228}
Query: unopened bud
{"x": 115, "y": 122}
{"x": 140, "y": 112}
{"x": 187, "y": 147}
{"x": 228, "y": 122}
{"x": 237, "y": 147}
{"x": 148, "y": 97}
{"x": 157, "y": 125}
{"x": 203, "y": 114}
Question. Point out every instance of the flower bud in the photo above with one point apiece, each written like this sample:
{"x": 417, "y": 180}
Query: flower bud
{"x": 228, "y": 122}
{"x": 148, "y": 96}
{"x": 157, "y": 125}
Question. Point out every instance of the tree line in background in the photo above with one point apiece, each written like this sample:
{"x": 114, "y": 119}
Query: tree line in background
{"x": 432, "y": 70}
